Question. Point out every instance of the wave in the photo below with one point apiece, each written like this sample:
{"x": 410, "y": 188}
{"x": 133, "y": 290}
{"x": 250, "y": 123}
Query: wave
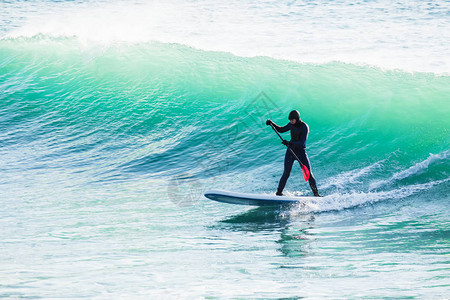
{"x": 415, "y": 170}
{"x": 305, "y": 32}
{"x": 159, "y": 110}
{"x": 340, "y": 201}
{"x": 354, "y": 176}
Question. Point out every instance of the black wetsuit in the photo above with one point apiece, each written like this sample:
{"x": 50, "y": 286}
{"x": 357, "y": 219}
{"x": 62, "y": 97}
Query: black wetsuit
{"x": 299, "y": 135}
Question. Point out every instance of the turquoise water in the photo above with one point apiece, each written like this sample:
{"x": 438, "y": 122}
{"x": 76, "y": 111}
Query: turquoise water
{"x": 115, "y": 117}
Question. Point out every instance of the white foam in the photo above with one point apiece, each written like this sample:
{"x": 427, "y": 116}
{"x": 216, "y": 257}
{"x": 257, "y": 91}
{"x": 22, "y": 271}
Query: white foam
{"x": 396, "y": 34}
{"x": 414, "y": 170}
{"x": 351, "y": 177}
{"x": 348, "y": 200}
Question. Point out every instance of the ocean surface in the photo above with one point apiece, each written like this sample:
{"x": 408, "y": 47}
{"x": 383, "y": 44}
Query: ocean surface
{"x": 116, "y": 116}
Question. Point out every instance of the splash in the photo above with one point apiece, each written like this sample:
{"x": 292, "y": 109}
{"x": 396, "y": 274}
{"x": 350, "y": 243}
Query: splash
{"x": 302, "y": 32}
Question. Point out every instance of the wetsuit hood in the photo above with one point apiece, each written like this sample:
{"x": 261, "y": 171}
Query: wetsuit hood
{"x": 295, "y": 115}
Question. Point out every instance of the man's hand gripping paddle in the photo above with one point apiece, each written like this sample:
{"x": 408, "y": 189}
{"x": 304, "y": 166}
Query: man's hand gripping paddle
{"x": 304, "y": 168}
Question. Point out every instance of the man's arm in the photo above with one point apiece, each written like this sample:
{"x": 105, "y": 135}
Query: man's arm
{"x": 278, "y": 128}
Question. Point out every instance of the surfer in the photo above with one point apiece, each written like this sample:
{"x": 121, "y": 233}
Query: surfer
{"x": 299, "y": 134}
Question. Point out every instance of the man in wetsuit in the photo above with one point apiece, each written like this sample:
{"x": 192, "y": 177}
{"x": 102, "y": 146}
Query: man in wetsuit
{"x": 299, "y": 134}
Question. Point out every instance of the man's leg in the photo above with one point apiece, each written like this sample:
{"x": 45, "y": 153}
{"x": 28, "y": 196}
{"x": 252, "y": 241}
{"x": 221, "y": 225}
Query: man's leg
{"x": 288, "y": 162}
{"x": 312, "y": 181}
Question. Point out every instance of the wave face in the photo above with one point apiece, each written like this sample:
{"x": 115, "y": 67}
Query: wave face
{"x": 156, "y": 110}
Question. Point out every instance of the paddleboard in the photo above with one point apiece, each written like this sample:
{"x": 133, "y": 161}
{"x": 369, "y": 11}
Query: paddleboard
{"x": 254, "y": 199}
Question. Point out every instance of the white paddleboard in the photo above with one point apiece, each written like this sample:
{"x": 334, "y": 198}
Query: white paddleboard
{"x": 254, "y": 199}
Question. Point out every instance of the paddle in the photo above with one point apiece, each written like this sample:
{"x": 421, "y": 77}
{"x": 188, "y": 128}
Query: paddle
{"x": 304, "y": 168}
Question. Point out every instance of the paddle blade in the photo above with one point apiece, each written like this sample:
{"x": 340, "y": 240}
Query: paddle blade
{"x": 305, "y": 172}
